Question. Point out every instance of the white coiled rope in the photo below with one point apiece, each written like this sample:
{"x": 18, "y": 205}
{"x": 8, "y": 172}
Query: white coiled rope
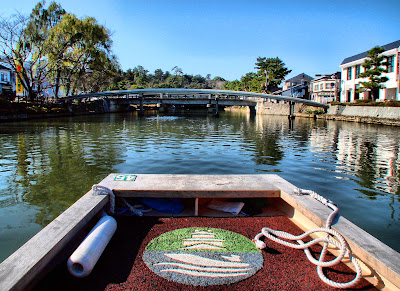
{"x": 339, "y": 242}
{"x": 101, "y": 190}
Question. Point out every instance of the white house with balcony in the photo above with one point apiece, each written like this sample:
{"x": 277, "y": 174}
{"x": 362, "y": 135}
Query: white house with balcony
{"x": 326, "y": 88}
{"x": 352, "y": 67}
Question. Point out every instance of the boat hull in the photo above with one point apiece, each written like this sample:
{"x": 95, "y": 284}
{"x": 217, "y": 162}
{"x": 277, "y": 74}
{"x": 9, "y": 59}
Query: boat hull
{"x": 31, "y": 262}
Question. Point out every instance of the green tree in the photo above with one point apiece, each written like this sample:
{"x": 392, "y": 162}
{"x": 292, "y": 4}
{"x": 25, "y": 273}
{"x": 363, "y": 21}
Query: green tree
{"x": 57, "y": 49}
{"x": 271, "y": 71}
{"x": 122, "y": 85}
{"x": 374, "y": 67}
{"x": 233, "y": 85}
{"x": 177, "y": 71}
{"x": 37, "y": 30}
{"x": 129, "y": 75}
{"x": 251, "y": 82}
{"x": 15, "y": 51}
{"x": 100, "y": 75}
{"x": 272, "y": 68}
{"x": 158, "y": 76}
{"x": 141, "y": 77}
{"x": 79, "y": 47}
{"x": 23, "y": 44}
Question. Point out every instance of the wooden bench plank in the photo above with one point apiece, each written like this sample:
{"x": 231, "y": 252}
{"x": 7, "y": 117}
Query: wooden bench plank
{"x": 193, "y": 186}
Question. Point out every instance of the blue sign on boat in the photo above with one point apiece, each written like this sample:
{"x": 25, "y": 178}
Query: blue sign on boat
{"x": 125, "y": 177}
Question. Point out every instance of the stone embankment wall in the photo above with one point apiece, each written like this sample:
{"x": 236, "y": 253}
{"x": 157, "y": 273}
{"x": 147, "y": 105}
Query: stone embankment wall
{"x": 365, "y": 111}
{"x": 364, "y": 114}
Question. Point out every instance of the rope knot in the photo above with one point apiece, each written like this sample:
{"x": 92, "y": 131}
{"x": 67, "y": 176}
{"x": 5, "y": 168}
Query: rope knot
{"x": 101, "y": 190}
{"x": 298, "y": 191}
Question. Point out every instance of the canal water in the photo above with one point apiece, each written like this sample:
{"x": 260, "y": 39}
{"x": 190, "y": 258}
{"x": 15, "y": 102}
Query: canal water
{"x": 45, "y": 166}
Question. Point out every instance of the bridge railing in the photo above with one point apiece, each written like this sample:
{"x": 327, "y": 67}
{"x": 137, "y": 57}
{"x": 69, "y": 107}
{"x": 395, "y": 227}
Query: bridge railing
{"x": 195, "y": 92}
{"x": 182, "y": 96}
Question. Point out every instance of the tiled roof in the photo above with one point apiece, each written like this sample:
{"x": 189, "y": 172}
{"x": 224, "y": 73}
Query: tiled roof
{"x": 300, "y": 76}
{"x": 4, "y": 68}
{"x": 386, "y": 47}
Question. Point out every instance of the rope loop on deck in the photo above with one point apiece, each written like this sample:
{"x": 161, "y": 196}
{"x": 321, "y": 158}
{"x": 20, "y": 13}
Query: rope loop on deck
{"x": 332, "y": 237}
{"x": 137, "y": 210}
{"x": 102, "y": 190}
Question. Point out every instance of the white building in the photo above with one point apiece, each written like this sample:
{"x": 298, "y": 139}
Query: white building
{"x": 352, "y": 67}
{"x": 326, "y": 88}
{"x": 6, "y": 81}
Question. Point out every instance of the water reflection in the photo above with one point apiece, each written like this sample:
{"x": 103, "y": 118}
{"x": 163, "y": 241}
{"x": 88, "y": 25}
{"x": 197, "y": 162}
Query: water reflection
{"x": 46, "y": 166}
{"x": 368, "y": 153}
{"x": 55, "y": 165}
{"x": 368, "y": 157}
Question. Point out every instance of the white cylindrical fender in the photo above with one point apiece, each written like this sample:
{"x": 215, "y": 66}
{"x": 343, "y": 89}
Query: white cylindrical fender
{"x": 82, "y": 261}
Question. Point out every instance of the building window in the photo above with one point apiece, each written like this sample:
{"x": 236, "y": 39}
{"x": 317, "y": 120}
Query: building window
{"x": 358, "y": 71}
{"x": 390, "y": 67}
{"x": 349, "y": 73}
{"x": 348, "y": 97}
{"x": 3, "y": 77}
{"x": 356, "y": 92}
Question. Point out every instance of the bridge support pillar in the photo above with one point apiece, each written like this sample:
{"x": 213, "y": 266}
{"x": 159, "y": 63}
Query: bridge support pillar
{"x": 162, "y": 107}
{"x": 141, "y": 110}
{"x": 113, "y": 106}
{"x": 213, "y": 109}
{"x": 253, "y": 110}
{"x": 291, "y": 110}
{"x": 210, "y": 109}
{"x": 216, "y": 106}
{"x": 106, "y": 105}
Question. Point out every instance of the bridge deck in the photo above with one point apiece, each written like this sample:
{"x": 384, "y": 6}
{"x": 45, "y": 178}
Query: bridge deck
{"x": 187, "y": 101}
{"x": 167, "y": 93}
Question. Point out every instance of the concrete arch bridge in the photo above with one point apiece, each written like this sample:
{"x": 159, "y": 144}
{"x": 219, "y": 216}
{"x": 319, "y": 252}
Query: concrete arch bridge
{"x": 163, "y": 98}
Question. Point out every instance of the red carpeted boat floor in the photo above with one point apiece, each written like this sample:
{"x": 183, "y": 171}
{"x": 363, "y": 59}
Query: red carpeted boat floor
{"x": 121, "y": 266}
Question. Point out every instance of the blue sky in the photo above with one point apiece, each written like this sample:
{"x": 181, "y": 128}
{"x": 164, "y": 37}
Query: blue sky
{"x": 224, "y": 38}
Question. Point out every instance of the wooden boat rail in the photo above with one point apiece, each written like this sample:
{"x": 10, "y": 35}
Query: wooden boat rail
{"x": 24, "y": 267}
